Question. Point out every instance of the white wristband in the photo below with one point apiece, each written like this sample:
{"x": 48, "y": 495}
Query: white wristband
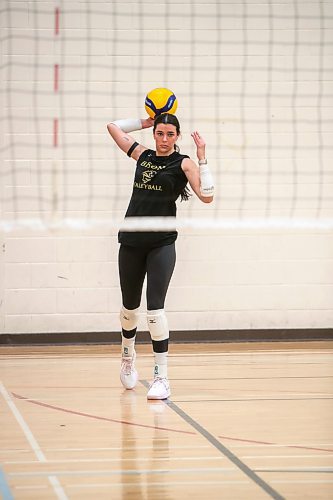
{"x": 128, "y": 124}
{"x": 206, "y": 181}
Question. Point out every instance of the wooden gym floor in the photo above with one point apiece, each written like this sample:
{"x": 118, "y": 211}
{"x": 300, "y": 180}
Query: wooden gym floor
{"x": 244, "y": 421}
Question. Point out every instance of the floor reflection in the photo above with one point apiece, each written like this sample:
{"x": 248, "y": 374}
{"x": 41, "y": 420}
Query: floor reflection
{"x": 145, "y": 461}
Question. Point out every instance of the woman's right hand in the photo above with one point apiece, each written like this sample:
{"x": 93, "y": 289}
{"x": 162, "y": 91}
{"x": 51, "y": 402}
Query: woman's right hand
{"x": 147, "y": 122}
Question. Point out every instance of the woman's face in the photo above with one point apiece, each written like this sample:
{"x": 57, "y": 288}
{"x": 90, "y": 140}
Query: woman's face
{"x": 165, "y": 136}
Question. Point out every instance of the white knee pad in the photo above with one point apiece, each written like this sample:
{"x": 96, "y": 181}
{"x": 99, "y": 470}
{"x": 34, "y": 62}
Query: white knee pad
{"x": 158, "y": 324}
{"x": 129, "y": 318}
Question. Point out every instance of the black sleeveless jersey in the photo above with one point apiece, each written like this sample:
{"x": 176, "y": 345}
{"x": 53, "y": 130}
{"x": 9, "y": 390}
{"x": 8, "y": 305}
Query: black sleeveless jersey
{"x": 158, "y": 182}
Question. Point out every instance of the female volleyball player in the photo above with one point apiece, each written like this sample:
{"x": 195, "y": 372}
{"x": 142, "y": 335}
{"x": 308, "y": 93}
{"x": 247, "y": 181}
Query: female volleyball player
{"x": 161, "y": 176}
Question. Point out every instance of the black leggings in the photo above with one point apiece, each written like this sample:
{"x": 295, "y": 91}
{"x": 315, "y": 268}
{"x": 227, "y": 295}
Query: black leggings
{"x": 134, "y": 263}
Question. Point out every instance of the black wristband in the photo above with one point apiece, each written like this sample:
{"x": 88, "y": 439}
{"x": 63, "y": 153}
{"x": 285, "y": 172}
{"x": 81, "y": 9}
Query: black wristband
{"x": 131, "y": 149}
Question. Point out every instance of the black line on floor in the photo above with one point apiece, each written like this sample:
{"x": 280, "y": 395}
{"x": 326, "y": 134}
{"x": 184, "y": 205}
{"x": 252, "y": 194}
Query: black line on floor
{"x": 219, "y": 446}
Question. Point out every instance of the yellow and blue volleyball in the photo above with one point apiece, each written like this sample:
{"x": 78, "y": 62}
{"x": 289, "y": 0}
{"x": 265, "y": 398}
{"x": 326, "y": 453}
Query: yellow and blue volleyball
{"x": 160, "y": 101}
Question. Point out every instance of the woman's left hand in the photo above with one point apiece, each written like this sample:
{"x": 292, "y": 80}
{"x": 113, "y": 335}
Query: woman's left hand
{"x": 201, "y": 145}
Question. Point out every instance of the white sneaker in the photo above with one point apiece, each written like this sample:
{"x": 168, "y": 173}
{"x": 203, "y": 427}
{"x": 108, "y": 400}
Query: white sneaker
{"x": 159, "y": 389}
{"x": 128, "y": 373}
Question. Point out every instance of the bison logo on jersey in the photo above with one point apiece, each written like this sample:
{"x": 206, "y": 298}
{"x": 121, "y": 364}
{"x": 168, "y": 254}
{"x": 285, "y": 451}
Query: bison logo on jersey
{"x": 147, "y": 176}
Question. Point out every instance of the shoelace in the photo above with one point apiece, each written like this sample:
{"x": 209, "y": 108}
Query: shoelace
{"x": 127, "y": 366}
{"x": 159, "y": 380}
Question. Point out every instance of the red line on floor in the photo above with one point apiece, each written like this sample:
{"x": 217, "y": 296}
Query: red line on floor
{"x": 96, "y": 417}
{"x": 274, "y": 444}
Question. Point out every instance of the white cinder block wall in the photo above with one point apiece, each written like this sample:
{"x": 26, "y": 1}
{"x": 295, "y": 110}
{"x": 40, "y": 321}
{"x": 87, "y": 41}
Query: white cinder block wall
{"x": 254, "y": 77}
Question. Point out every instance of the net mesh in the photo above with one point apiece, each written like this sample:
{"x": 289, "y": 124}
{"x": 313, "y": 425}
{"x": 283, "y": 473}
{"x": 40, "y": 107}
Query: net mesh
{"x": 254, "y": 77}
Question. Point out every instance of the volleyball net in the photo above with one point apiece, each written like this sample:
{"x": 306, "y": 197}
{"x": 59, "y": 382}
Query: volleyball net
{"x": 254, "y": 77}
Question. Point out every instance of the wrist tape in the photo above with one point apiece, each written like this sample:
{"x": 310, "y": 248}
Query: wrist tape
{"x": 206, "y": 181}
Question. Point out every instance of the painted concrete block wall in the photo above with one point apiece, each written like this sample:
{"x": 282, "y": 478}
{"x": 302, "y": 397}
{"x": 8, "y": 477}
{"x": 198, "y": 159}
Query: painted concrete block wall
{"x": 254, "y": 77}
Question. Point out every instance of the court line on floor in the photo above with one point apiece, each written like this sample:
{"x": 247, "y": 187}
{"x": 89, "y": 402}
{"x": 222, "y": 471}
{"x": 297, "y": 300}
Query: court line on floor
{"x": 97, "y": 417}
{"x": 182, "y": 379}
{"x": 109, "y": 448}
{"x": 302, "y": 481}
{"x": 120, "y": 459}
{"x": 148, "y": 483}
{"x": 219, "y": 446}
{"x": 157, "y": 459}
{"x": 315, "y": 470}
{"x": 267, "y": 443}
{"x": 252, "y": 444}
{"x": 127, "y": 472}
{"x": 60, "y": 493}
{"x": 187, "y": 483}
{"x": 232, "y": 356}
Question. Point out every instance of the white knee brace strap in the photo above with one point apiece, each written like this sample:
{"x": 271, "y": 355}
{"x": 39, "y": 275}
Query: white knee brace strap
{"x": 129, "y": 318}
{"x": 158, "y": 324}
